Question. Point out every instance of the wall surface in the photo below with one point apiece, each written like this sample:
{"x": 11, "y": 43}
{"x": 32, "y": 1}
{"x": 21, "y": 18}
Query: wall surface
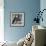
{"x": 1, "y": 21}
{"x": 43, "y": 6}
{"x": 29, "y": 7}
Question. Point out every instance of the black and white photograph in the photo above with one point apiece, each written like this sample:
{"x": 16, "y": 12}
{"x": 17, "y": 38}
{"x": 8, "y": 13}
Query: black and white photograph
{"x": 17, "y": 19}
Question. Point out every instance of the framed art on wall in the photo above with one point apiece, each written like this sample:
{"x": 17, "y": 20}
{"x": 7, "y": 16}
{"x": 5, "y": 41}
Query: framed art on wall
{"x": 17, "y": 19}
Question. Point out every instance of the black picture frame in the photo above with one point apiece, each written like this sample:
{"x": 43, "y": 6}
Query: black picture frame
{"x": 17, "y": 19}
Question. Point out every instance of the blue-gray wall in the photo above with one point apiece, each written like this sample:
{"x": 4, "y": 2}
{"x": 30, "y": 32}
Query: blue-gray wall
{"x": 29, "y": 7}
{"x": 43, "y": 6}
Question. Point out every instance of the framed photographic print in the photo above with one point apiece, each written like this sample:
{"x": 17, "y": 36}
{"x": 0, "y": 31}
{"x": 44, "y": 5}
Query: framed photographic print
{"x": 17, "y": 19}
